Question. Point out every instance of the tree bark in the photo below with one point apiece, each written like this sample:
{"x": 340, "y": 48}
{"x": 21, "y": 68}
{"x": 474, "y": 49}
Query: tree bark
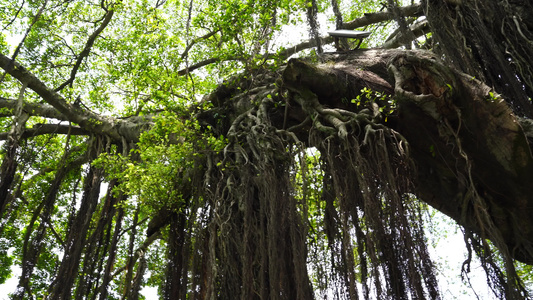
{"x": 87, "y": 120}
{"x": 61, "y": 287}
{"x": 470, "y": 152}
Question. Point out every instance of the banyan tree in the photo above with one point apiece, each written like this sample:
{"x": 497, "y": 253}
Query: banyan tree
{"x": 206, "y": 149}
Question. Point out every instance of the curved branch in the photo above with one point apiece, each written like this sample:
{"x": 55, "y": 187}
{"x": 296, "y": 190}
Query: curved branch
{"x": 114, "y": 128}
{"x": 198, "y": 65}
{"x": 14, "y": 17}
{"x": 302, "y": 46}
{"x": 86, "y": 50}
{"x": 195, "y": 41}
{"x": 17, "y": 50}
{"x": 367, "y": 19}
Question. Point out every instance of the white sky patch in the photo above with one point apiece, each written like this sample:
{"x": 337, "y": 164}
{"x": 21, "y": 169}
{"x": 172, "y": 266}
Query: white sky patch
{"x": 149, "y": 292}
{"x": 448, "y": 251}
{"x": 11, "y": 284}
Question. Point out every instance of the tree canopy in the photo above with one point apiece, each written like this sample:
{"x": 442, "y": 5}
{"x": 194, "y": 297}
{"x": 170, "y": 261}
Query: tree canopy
{"x": 210, "y": 150}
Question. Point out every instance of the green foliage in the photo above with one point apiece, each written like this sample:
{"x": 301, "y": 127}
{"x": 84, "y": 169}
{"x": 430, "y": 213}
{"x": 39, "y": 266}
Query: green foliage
{"x": 494, "y": 97}
{"x": 432, "y": 150}
{"x": 309, "y": 183}
{"x": 387, "y": 105}
{"x": 164, "y": 157}
{"x": 6, "y": 260}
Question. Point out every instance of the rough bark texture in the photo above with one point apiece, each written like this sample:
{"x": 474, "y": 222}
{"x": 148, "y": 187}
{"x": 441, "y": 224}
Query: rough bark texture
{"x": 491, "y": 40}
{"x": 115, "y": 128}
{"x": 462, "y": 139}
{"x": 454, "y": 139}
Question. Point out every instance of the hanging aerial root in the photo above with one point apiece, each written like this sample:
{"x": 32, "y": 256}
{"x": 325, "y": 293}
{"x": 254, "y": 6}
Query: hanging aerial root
{"x": 256, "y": 226}
{"x": 428, "y": 92}
{"x": 368, "y": 172}
{"x": 366, "y": 187}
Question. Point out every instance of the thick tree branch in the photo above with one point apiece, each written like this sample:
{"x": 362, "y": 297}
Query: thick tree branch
{"x": 116, "y": 129}
{"x": 416, "y": 31}
{"x": 372, "y": 18}
{"x": 32, "y": 109}
{"x": 400, "y": 20}
{"x": 367, "y": 19}
{"x": 199, "y": 65}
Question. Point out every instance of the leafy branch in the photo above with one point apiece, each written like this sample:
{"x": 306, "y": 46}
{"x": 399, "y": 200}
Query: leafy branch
{"x": 86, "y": 50}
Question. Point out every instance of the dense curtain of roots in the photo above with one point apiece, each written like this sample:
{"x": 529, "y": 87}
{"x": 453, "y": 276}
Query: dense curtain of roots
{"x": 491, "y": 40}
{"x": 259, "y": 247}
{"x": 369, "y": 211}
{"x": 258, "y": 238}
{"x": 475, "y": 205}
{"x": 363, "y": 238}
